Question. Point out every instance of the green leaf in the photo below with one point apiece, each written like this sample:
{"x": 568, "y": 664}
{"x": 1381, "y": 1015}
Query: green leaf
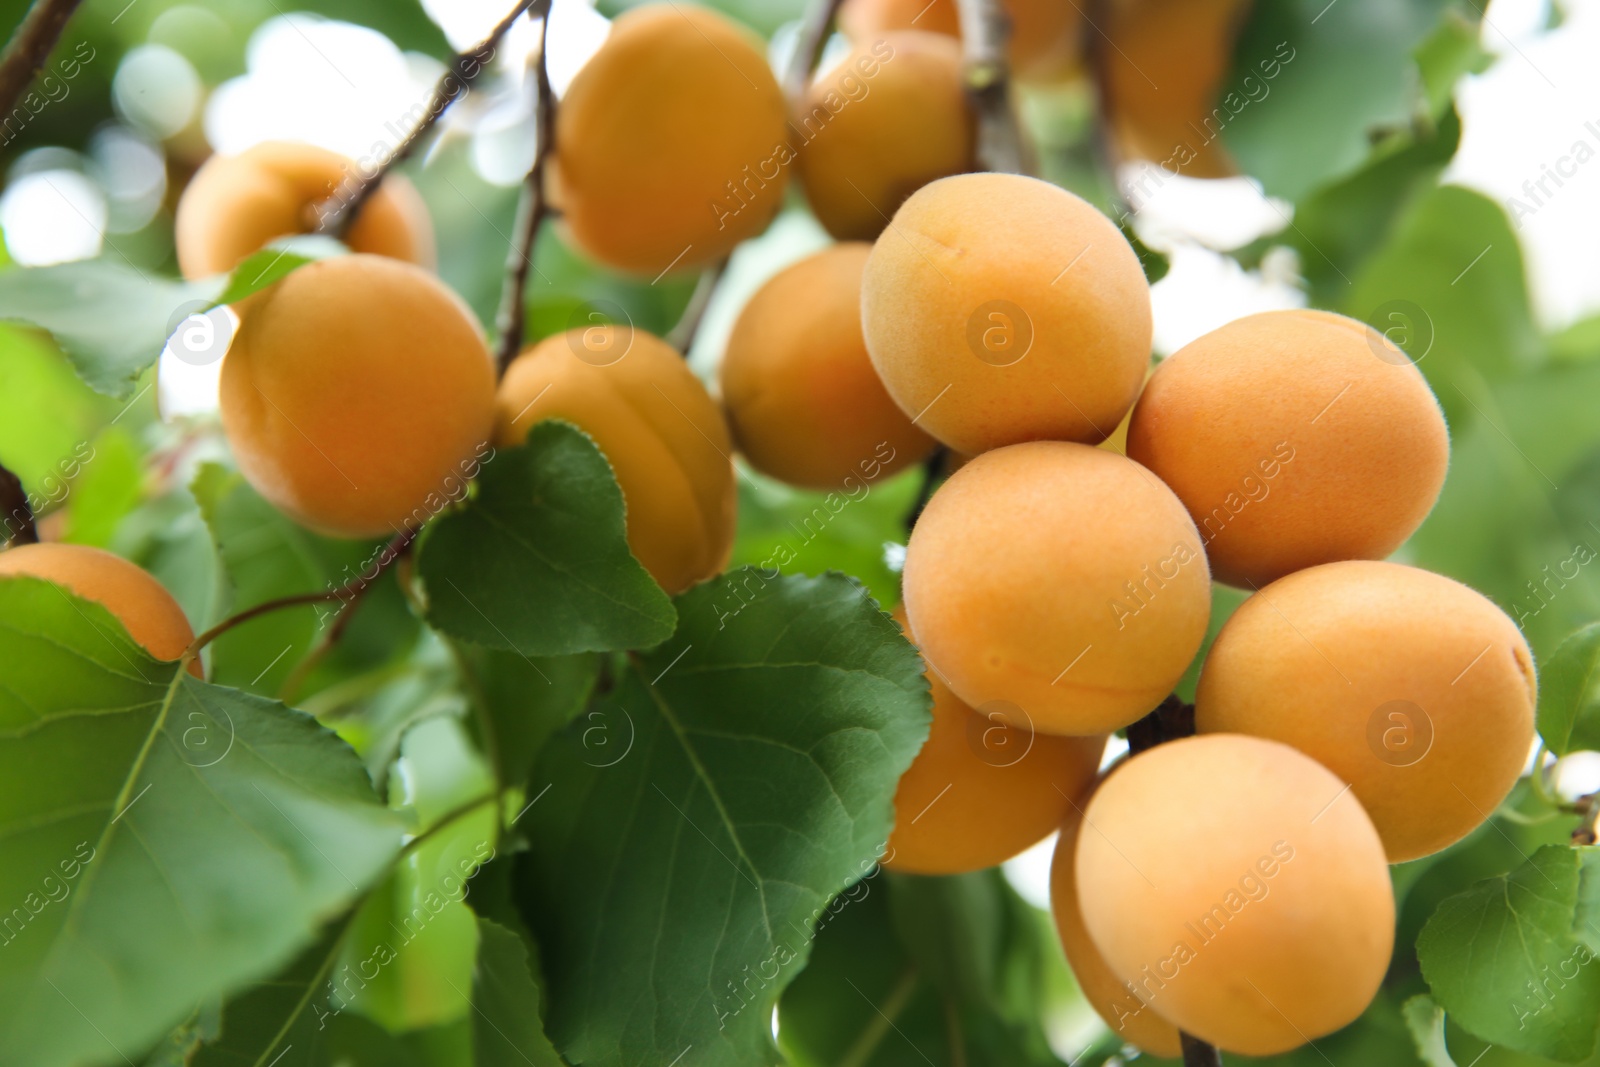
{"x": 1508, "y": 959}
{"x": 538, "y": 562}
{"x": 111, "y": 320}
{"x": 166, "y": 839}
{"x": 108, "y": 487}
{"x": 528, "y": 700}
{"x": 1346, "y": 73}
{"x": 1425, "y": 1021}
{"x": 506, "y": 1029}
{"x": 1569, "y": 694}
{"x": 749, "y": 779}
{"x": 275, "y": 262}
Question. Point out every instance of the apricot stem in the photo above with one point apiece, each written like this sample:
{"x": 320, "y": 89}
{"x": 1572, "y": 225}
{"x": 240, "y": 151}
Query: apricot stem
{"x": 809, "y": 42}
{"x": 681, "y": 336}
{"x": 985, "y": 29}
{"x": 532, "y": 209}
{"x": 30, "y": 46}
{"x": 930, "y": 481}
{"x": 340, "y": 209}
{"x": 18, "y": 514}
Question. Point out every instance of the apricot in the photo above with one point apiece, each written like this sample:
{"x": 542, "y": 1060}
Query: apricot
{"x": 235, "y": 205}
{"x": 981, "y": 791}
{"x": 887, "y": 121}
{"x": 1000, "y": 309}
{"x": 1162, "y": 76}
{"x": 143, "y": 606}
{"x": 1294, "y": 438}
{"x": 671, "y": 143}
{"x": 1046, "y": 39}
{"x": 1238, "y": 889}
{"x": 1062, "y": 579}
{"x": 1415, "y": 689}
{"x": 660, "y": 430}
{"x": 1114, "y": 1000}
{"x": 802, "y": 399}
{"x": 358, "y": 395}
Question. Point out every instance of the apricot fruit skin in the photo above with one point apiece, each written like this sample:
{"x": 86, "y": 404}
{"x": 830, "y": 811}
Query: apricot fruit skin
{"x": 980, "y": 791}
{"x": 663, "y": 435}
{"x": 1237, "y": 887}
{"x": 1294, "y": 438}
{"x": 358, "y": 395}
{"x": 671, "y": 142}
{"x": 1415, "y": 689}
{"x": 143, "y": 606}
{"x": 235, "y": 205}
{"x": 1000, "y": 309}
{"x": 1046, "y": 42}
{"x": 1129, "y": 1017}
{"x": 1059, "y": 578}
{"x": 892, "y": 117}
{"x": 803, "y": 402}
{"x": 1164, "y": 70}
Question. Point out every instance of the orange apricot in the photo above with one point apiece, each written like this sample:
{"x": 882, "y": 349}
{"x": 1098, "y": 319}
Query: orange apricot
{"x": 803, "y": 402}
{"x": 358, "y": 395}
{"x": 235, "y": 205}
{"x": 658, "y": 427}
{"x": 1045, "y": 45}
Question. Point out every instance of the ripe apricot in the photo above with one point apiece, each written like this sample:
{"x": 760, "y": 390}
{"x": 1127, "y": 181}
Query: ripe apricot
{"x": 1415, "y": 689}
{"x": 887, "y": 121}
{"x": 1294, "y": 438}
{"x": 1046, "y": 35}
{"x": 1000, "y": 309}
{"x": 358, "y": 395}
{"x": 1162, "y": 74}
{"x": 981, "y": 791}
{"x": 1062, "y": 579}
{"x": 1245, "y": 897}
{"x": 658, "y": 427}
{"x": 803, "y": 402}
{"x": 143, "y": 606}
{"x": 234, "y": 205}
{"x": 1129, "y": 1017}
{"x": 671, "y": 145}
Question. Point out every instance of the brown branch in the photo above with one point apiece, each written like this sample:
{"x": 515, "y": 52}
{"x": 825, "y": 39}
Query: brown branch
{"x": 30, "y": 47}
{"x": 18, "y": 513}
{"x": 683, "y": 332}
{"x": 932, "y": 467}
{"x": 1197, "y": 1053}
{"x": 808, "y": 46}
{"x": 532, "y": 209}
{"x": 337, "y": 212}
{"x": 358, "y": 589}
{"x": 1103, "y": 141}
{"x": 985, "y": 29}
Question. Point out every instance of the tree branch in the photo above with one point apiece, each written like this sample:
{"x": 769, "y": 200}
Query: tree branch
{"x": 808, "y": 46}
{"x": 532, "y": 209}
{"x": 931, "y": 468}
{"x": 30, "y": 47}
{"x": 337, "y": 212}
{"x": 683, "y": 332}
{"x": 985, "y": 29}
{"x": 17, "y": 521}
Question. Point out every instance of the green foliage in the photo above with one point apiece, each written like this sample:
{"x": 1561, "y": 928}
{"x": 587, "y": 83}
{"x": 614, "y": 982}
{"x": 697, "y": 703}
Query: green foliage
{"x": 673, "y": 883}
{"x": 1569, "y": 694}
{"x": 274, "y": 263}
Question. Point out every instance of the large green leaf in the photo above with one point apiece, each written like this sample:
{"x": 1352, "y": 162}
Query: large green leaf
{"x": 537, "y": 562}
{"x": 748, "y": 779}
{"x": 505, "y": 988}
{"x": 112, "y": 320}
{"x": 1346, "y": 72}
{"x": 164, "y": 839}
{"x": 1569, "y": 694}
{"x": 1510, "y": 958}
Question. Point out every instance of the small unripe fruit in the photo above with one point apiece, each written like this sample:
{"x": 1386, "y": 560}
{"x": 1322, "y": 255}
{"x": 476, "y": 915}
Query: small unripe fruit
{"x": 1240, "y": 889}
{"x": 803, "y": 401}
{"x": 1130, "y": 1018}
{"x": 888, "y": 120}
{"x": 981, "y": 791}
{"x": 1294, "y": 438}
{"x": 235, "y": 205}
{"x": 1059, "y": 578}
{"x": 143, "y": 606}
{"x": 358, "y": 395}
{"x": 1415, "y": 689}
{"x": 671, "y": 142}
{"x": 1001, "y": 309}
{"x": 660, "y": 430}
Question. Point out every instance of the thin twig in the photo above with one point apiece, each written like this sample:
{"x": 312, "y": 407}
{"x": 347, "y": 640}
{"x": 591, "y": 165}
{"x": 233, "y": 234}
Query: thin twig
{"x": 18, "y": 513}
{"x": 532, "y": 209}
{"x": 985, "y": 29}
{"x": 682, "y": 334}
{"x": 810, "y": 40}
{"x": 340, "y": 209}
{"x": 1197, "y": 1053}
{"x": 931, "y": 469}
{"x": 30, "y": 47}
